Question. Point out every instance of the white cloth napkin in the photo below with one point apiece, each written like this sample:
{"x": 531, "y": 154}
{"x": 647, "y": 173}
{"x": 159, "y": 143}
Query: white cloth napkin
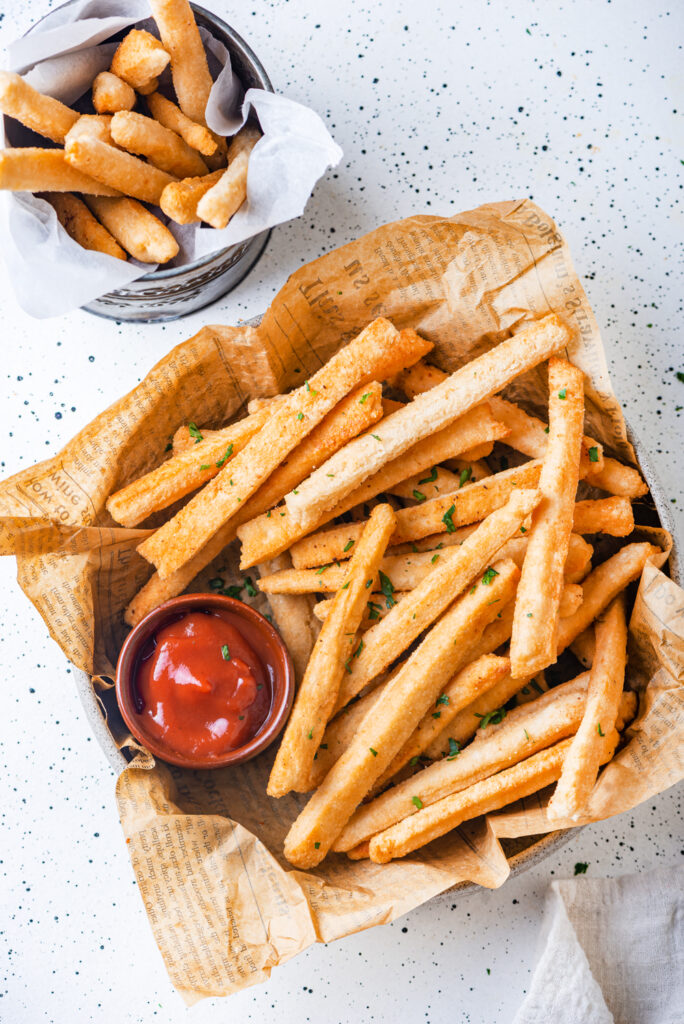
{"x": 614, "y": 952}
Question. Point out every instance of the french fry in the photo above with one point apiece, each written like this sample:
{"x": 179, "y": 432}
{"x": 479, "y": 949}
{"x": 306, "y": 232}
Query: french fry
{"x": 469, "y": 470}
{"x": 584, "y": 647}
{"x": 380, "y": 736}
{"x": 139, "y": 232}
{"x": 347, "y": 418}
{"x": 368, "y": 357}
{"x": 550, "y": 718}
{"x": 79, "y": 223}
{"x": 403, "y": 571}
{"x": 225, "y": 198}
{"x": 419, "y": 487}
{"x": 460, "y": 691}
{"x": 293, "y": 615}
{"x": 172, "y": 117}
{"x": 189, "y": 69}
{"x": 571, "y": 597}
{"x": 147, "y": 90}
{"x": 533, "y": 641}
{"x": 183, "y": 440}
{"x": 42, "y": 114}
{"x": 115, "y": 168}
{"x": 425, "y": 414}
{"x": 388, "y": 638}
{"x": 335, "y": 647}
{"x": 376, "y": 607}
{"x": 419, "y": 378}
{"x": 98, "y": 126}
{"x": 110, "y": 94}
{"x": 162, "y": 148}
{"x": 139, "y": 59}
{"x": 618, "y": 479}
{"x": 491, "y": 794}
{"x": 613, "y": 516}
{"x": 46, "y": 170}
{"x": 606, "y": 679}
{"x": 360, "y": 852}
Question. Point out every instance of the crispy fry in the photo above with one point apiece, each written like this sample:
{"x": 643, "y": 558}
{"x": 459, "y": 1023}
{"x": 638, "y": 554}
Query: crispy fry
{"x": 270, "y": 536}
{"x": 79, "y": 223}
{"x": 172, "y": 117}
{"x": 523, "y": 732}
{"x": 376, "y": 607}
{"x": 42, "y": 114}
{"x": 360, "y": 852}
{"x": 584, "y": 647}
{"x": 571, "y": 597}
{"x": 293, "y": 614}
{"x": 163, "y": 148}
{"x": 46, "y": 170}
{"x": 606, "y": 679}
{"x": 613, "y": 516}
{"x": 139, "y": 232}
{"x": 97, "y": 126}
{"x": 497, "y": 791}
{"x": 334, "y": 649}
{"x": 369, "y": 356}
{"x": 115, "y": 168}
{"x": 139, "y": 59}
{"x": 473, "y": 383}
{"x": 111, "y": 94}
{"x": 404, "y": 572}
{"x": 420, "y": 487}
{"x": 189, "y": 69}
{"x": 388, "y": 638}
{"x": 418, "y": 378}
{"x": 184, "y": 441}
{"x": 225, "y": 198}
{"x": 533, "y": 643}
{"x": 347, "y": 418}
{"x": 380, "y": 736}
{"x": 618, "y": 479}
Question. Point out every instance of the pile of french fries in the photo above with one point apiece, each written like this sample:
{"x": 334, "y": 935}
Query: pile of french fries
{"x": 423, "y": 701}
{"x": 118, "y": 159}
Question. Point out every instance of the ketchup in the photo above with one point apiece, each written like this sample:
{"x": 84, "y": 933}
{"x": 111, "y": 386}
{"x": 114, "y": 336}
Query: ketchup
{"x": 200, "y": 687}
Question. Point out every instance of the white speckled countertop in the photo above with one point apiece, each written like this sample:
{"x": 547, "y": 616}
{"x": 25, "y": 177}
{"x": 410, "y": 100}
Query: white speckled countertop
{"x": 438, "y": 106}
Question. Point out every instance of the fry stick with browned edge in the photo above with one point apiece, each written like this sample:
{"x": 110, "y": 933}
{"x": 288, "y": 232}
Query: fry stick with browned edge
{"x": 110, "y": 94}
{"x": 467, "y": 387}
{"x": 172, "y": 117}
{"x": 334, "y": 649}
{"x": 42, "y": 114}
{"x": 293, "y": 615}
{"x": 163, "y": 148}
{"x": 420, "y": 487}
{"x": 137, "y": 229}
{"x": 606, "y": 680}
{"x": 491, "y": 794}
{"x": 612, "y": 516}
{"x": 139, "y": 58}
{"x": 180, "y": 38}
{"x": 32, "y": 169}
{"x": 367, "y": 357}
{"x": 347, "y": 418}
{"x": 388, "y": 638}
{"x": 179, "y": 199}
{"x": 533, "y": 642}
{"x": 225, "y": 198}
{"x": 383, "y": 732}
{"x": 617, "y": 478}
{"x": 82, "y": 226}
{"x": 113, "y": 167}
{"x": 266, "y": 537}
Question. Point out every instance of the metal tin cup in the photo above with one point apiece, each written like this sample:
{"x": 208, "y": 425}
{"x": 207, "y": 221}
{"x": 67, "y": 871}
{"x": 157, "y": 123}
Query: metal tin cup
{"x": 172, "y": 292}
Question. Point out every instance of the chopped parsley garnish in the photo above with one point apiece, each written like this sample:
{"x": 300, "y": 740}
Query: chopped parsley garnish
{"x": 347, "y": 665}
{"x": 369, "y": 583}
{"x": 330, "y": 474}
{"x": 417, "y": 802}
{"x": 489, "y": 576}
{"x": 492, "y": 717}
{"x": 562, "y": 393}
{"x": 317, "y": 846}
{"x": 324, "y": 746}
{"x": 373, "y": 752}
{"x": 205, "y": 467}
{"x": 319, "y": 572}
{"x": 523, "y": 529}
{"x": 249, "y": 587}
{"x": 309, "y": 388}
{"x": 194, "y": 432}
{"x": 225, "y": 651}
{"x": 581, "y": 867}
{"x": 454, "y": 749}
{"x": 419, "y": 496}
{"x": 345, "y": 585}
{"x": 434, "y": 558}
{"x": 387, "y": 588}
{"x": 217, "y": 583}
{"x": 436, "y": 714}
{"x": 600, "y": 730}
{"x": 358, "y": 650}
{"x": 309, "y": 735}
{"x": 448, "y": 520}
{"x": 414, "y": 761}
{"x": 373, "y": 610}
{"x": 430, "y": 479}
{"x": 233, "y": 591}
{"x": 363, "y": 398}
{"x": 546, "y": 430}
{"x": 465, "y": 475}
{"x": 348, "y": 545}
{"x": 169, "y": 447}
{"x": 530, "y": 615}
{"x": 443, "y": 699}
{"x": 377, "y": 437}
{"x": 527, "y": 735}
{"x": 226, "y": 455}
{"x": 593, "y": 454}
{"x": 300, "y": 415}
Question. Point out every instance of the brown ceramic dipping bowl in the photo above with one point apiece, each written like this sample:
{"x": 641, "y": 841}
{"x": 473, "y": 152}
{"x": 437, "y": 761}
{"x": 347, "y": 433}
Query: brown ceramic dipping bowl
{"x": 267, "y": 644}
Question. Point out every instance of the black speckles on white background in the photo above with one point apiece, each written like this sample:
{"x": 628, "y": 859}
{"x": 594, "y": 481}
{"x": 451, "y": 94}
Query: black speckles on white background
{"x": 438, "y": 107}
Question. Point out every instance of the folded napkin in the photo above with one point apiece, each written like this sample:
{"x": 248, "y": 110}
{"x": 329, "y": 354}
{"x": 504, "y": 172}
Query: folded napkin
{"x": 614, "y": 952}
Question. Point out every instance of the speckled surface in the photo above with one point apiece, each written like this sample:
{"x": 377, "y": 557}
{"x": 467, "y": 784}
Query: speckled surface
{"x": 574, "y": 104}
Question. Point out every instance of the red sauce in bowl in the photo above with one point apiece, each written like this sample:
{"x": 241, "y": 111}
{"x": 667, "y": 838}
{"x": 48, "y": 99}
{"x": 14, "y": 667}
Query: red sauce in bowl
{"x": 199, "y": 685}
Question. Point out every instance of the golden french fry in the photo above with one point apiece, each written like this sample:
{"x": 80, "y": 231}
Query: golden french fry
{"x": 79, "y": 223}
{"x": 46, "y": 170}
{"x": 163, "y": 148}
{"x": 293, "y": 615}
{"x": 490, "y": 794}
{"x": 368, "y": 357}
{"x": 139, "y": 59}
{"x": 183, "y": 440}
{"x": 408, "y": 696}
{"x": 376, "y": 607}
{"x": 189, "y": 69}
{"x": 403, "y": 571}
{"x": 523, "y": 732}
{"x": 584, "y": 647}
{"x": 533, "y": 642}
{"x": 172, "y": 117}
{"x": 571, "y": 597}
{"x": 147, "y": 90}
{"x": 613, "y": 516}
{"x": 419, "y": 487}
{"x": 115, "y": 168}
{"x": 360, "y": 852}
{"x": 225, "y": 198}
{"x": 606, "y": 679}
{"x": 388, "y": 638}
{"x": 111, "y": 94}
{"x": 97, "y": 126}
{"x": 334, "y": 649}
{"x": 419, "y": 378}
{"x": 139, "y": 232}
{"x": 618, "y": 479}
{"x": 473, "y": 383}
{"x": 42, "y": 114}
